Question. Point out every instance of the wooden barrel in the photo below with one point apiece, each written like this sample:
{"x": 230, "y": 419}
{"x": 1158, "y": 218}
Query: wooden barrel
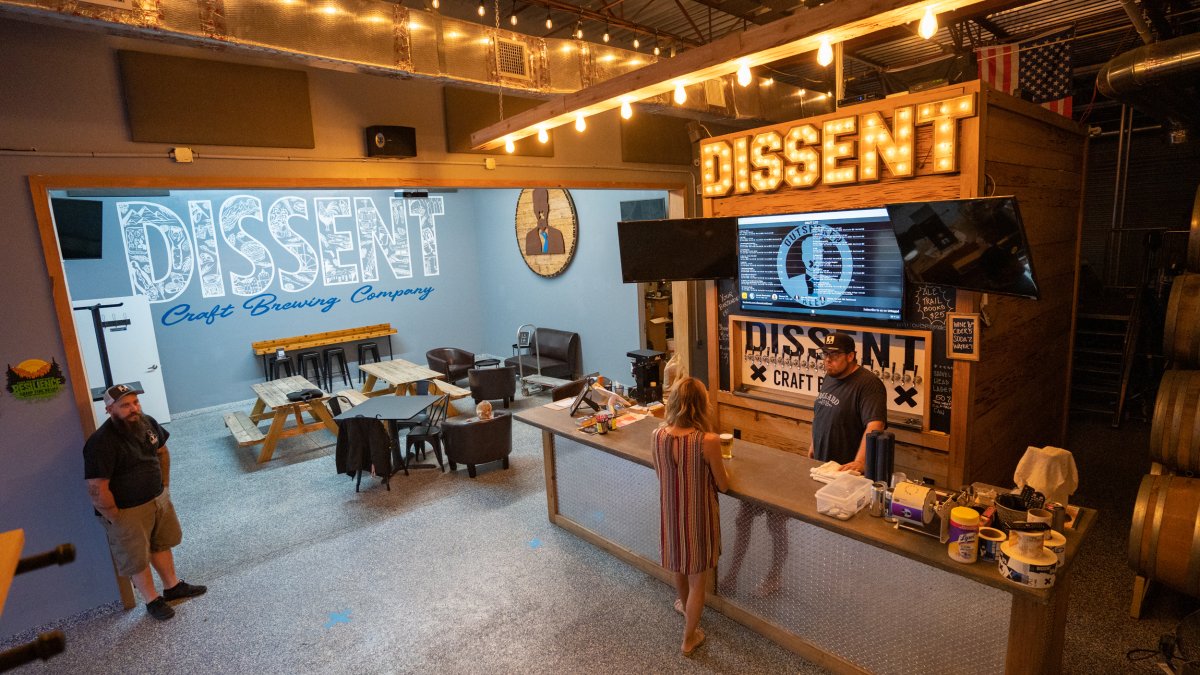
{"x": 1181, "y": 335}
{"x": 1175, "y": 431}
{"x": 1163, "y": 540}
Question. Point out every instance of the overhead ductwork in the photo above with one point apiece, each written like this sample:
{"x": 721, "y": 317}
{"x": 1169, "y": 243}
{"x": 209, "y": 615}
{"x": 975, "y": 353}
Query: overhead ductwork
{"x": 1161, "y": 79}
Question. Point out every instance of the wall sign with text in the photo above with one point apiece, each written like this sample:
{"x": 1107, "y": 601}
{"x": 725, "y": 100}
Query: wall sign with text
{"x": 962, "y": 337}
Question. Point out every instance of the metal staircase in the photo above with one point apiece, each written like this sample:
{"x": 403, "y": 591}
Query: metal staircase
{"x": 1106, "y": 337}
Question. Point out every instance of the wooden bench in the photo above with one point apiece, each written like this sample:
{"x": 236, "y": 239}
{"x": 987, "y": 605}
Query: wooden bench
{"x": 244, "y": 430}
{"x": 455, "y": 392}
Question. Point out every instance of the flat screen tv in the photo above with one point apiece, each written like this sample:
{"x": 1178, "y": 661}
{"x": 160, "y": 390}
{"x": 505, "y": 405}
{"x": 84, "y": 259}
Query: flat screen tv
{"x": 973, "y": 244}
{"x": 828, "y": 264}
{"x": 80, "y": 225}
{"x": 681, "y": 249}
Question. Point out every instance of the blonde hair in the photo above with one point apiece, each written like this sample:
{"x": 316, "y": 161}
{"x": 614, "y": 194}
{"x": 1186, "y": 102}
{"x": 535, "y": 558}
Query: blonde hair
{"x": 688, "y": 406}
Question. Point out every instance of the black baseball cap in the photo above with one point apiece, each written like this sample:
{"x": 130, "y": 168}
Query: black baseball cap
{"x": 838, "y": 343}
{"x": 117, "y": 392}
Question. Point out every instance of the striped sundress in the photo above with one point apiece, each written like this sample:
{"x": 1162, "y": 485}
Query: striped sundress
{"x": 690, "y": 533}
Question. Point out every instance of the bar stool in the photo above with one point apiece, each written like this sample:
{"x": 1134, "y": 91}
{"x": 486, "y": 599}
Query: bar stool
{"x": 339, "y": 354}
{"x": 280, "y": 363}
{"x": 310, "y": 361}
{"x": 366, "y": 349}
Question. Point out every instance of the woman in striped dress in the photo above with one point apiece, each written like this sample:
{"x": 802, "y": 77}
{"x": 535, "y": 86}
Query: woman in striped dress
{"x": 687, "y": 459}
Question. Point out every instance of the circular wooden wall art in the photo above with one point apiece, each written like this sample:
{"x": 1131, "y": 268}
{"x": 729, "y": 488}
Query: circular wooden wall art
{"x": 547, "y": 230}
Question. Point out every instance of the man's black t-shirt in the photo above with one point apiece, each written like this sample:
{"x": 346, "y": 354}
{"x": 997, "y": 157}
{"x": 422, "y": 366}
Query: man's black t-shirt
{"x": 841, "y": 414}
{"x": 130, "y": 465}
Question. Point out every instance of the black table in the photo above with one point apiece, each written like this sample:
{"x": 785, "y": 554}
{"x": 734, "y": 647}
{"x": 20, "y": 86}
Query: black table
{"x": 397, "y": 411}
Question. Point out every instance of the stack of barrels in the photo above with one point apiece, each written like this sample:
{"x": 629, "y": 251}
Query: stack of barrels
{"x": 1164, "y": 539}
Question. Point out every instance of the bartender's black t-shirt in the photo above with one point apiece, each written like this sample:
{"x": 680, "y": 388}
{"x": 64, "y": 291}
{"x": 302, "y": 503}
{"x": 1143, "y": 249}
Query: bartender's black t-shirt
{"x": 842, "y": 411}
{"x": 131, "y": 466}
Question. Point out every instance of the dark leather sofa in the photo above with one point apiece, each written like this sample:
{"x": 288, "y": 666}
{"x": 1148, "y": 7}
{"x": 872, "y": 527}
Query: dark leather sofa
{"x": 474, "y": 441}
{"x": 561, "y": 355}
{"x": 452, "y": 363}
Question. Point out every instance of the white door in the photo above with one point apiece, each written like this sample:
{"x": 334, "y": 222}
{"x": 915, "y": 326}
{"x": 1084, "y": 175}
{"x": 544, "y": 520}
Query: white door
{"x": 132, "y": 351}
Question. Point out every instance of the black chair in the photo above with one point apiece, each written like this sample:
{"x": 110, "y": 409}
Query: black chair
{"x": 474, "y": 441}
{"x": 492, "y": 384}
{"x": 336, "y": 404}
{"x": 428, "y": 431}
{"x": 331, "y": 354}
{"x": 367, "y": 349}
{"x": 310, "y": 362}
{"x": 451, "y": 362}
{"x": 278, "y": 364}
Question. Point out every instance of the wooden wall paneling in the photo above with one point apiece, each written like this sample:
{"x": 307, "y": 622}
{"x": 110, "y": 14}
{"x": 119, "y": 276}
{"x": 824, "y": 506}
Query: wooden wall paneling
{"x": 1079, "y": 219}
{"x": 841, "y": 197}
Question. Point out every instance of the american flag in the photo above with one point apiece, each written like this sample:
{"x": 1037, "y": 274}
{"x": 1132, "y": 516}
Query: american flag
{"x": 1040, "y": 67}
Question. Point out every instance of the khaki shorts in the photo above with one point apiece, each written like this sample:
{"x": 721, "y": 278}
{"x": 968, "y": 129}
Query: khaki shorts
{"x": 141, "y": 530}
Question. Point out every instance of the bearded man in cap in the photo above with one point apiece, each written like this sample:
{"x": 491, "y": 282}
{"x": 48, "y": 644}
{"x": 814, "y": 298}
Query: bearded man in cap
{"x": 852, "y": 402}
{"x": 128, "y": 468}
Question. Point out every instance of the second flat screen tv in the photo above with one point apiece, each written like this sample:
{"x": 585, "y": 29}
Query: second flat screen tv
{"x": 829, "y": 264}
{"x": 680, "y": 249}
{"x": 973, "y": 244}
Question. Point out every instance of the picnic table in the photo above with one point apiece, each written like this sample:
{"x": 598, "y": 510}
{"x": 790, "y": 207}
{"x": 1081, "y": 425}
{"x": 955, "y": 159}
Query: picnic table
{"x": 273, "y": 403}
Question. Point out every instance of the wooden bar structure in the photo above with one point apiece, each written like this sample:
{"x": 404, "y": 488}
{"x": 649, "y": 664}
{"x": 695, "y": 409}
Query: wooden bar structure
{"x": 1016, "y": 394}
{"x": 313, "y": 340}
{"x": 1032, "y": 620}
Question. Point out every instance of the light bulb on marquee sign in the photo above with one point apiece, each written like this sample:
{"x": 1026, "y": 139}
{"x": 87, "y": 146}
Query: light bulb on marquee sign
{"x": 807, "y": 154}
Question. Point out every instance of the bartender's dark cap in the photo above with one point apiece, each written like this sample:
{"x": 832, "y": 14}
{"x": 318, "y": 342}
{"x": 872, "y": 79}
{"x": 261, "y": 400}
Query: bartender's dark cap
{"x": 838, "y": 343}
{"x": 117, "y": 392}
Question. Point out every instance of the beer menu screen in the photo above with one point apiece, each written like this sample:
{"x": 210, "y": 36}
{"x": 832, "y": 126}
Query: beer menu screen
{"x": 834, "y": 264}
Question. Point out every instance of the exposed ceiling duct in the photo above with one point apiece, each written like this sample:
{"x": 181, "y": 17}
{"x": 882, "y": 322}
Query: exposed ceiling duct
{"x": 1162, "y": 79}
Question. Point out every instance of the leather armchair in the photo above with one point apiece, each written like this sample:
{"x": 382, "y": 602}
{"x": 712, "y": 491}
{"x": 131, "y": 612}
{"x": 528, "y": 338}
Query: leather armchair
{"x": 452, "y": 363}
{"x": 561, "y": 355}
{"x": 474, "y": 441}
{"x": 491, "y": 384}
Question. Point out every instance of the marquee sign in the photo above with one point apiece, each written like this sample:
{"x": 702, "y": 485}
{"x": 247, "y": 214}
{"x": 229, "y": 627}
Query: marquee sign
{"x": 838, "y": 151}
{"x": 782, "y": 356}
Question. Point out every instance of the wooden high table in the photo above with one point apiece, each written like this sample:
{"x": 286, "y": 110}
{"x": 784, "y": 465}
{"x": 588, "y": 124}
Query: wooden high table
{"x": 857, "y": 596}
{"x": 273, "y": 403}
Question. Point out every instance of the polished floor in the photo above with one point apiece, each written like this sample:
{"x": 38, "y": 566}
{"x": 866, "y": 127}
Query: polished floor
{"x": 451, "y": 575}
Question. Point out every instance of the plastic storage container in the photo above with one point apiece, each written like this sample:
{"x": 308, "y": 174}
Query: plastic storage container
{"x": 844, "y": 497}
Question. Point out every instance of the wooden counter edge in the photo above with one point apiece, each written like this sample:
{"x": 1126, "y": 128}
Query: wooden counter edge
{"x": 11, "y": 543}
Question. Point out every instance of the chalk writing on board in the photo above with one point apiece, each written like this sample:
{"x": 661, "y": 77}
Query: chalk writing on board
{"x": 933, "y": 302}
{"x": 964, "y": 336}
{"x": 726, "y": 301}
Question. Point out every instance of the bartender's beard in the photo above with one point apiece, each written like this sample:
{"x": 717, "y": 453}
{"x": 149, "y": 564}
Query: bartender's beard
{"x": 135, "y": 427}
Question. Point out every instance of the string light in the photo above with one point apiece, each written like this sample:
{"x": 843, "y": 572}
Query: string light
{"x": 605, "y": 38}
{"x": 743, "y": 73}
{"x": 579, "y": 30}
{"x": 436, "y": 4}
{"x": 636, "y": 43}
{"x": 509, "y": 146}
{"x": 549, "y": 21}
{"x": 542, "y": 135}
{"x": 512, "y": 19}
{"x": 825, "y": 53}
{"x": 580, "y": 123}
{"x": 626, "y": 109}
{"x": 481, "y": 10}
{"x": 680, "y": 94}
{"x": 929, "y": 24}
{"x": 657, "y": 51}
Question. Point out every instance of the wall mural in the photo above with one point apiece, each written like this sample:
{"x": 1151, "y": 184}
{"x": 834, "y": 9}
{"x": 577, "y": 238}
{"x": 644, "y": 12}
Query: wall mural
{"x": 547, "y": 230}
{"x": 349, "y": 235}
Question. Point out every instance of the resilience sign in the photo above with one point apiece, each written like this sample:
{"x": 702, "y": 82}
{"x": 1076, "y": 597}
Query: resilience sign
{"x": 837, "y": 151}
{"x": 785, "y": 356}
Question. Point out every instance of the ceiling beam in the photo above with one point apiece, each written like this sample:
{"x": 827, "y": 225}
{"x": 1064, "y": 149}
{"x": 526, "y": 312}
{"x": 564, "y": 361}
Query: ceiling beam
{"x": 991, "y": 27}
{"x": 802, "y": 32}
{"x": 613, "y": 21}
{"x": 687, "y": 16}
{"x": 984, "y": 8}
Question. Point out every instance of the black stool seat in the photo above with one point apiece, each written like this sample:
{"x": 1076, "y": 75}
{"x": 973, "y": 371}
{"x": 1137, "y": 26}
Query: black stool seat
{"x": 338, "y": 354}
{"x": 367, "y": 349}
{"x": 310, "y": 362}
{"x": 279, "y": 363}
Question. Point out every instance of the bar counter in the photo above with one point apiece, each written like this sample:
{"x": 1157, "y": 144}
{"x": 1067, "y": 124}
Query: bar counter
{"x": 857, "y": 596}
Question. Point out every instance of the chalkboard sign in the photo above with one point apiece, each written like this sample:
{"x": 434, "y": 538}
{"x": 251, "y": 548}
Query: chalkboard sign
{"x": 928, "y": 306}
{"x": 962, "y": 332}
{"x": 726, "y": 302}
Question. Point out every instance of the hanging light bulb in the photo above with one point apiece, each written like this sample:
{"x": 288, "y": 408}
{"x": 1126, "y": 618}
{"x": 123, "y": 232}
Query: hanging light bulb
{"x": 680, "y": 94}
{"x": 512, "y": 19}
{"x": 542, "y": 135}
{"x": 580, "y": 123}
{"x": 481, "y": 10}
{"x": 825, "y": 53}
{"x": 549, "y": 21}
{"x": 743, "y": 73}
{"x": 605, "y": 38}
{"x": 436, "y": 4}
{"x": 929, "y": 24}
{"x": 636, "y": 43}
{"x": 626, "y": 110}
{"x": 579, "y": 29}
{"x": 657, "y": 51}
{"x": 509, "y": 146}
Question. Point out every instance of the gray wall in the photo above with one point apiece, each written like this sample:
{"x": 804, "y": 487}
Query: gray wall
{"x": 63, "y": 116}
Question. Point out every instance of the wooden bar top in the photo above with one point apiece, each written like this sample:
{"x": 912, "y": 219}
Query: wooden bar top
{"x": 312, "y": 340}
{"x": 780, "y": 481}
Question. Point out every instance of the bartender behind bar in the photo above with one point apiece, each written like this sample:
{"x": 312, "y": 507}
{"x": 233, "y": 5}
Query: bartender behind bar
{"x": 852, "y": 402}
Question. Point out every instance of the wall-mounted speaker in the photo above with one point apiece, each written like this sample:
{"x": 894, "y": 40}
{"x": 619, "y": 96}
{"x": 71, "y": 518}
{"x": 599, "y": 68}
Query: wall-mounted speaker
{"x": 385, "y": 141}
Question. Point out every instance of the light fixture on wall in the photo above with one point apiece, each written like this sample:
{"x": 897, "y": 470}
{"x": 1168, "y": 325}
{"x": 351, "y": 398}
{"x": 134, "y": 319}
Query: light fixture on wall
{"x": 817, "y": 29}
